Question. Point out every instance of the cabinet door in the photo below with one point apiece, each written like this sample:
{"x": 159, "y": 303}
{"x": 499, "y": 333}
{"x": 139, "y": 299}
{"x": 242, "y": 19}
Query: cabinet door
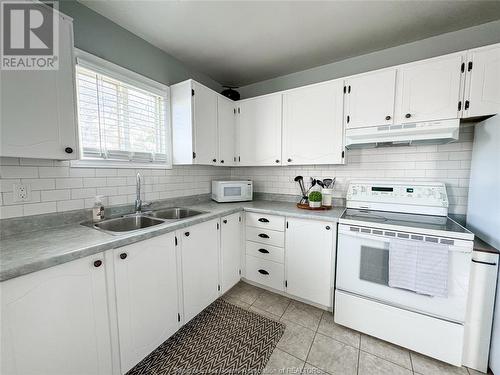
{"x": 38, "y": 107}
{"x": 369, "y": 99}
{"x": 483, "y": 82}
{"x": 312, "y": 124}
{"x": 205, "y": 124}
{"x": 429, "y": 90}
{"x": 146, "y": 297}
{"x": 200, "y": 266}
{"x": 309, "y": 274}
{"x": 259, "y": 126}
{"x": 230, "y": 246}
{"x": 227, "y": 131}
{"x": 55, "y": 321}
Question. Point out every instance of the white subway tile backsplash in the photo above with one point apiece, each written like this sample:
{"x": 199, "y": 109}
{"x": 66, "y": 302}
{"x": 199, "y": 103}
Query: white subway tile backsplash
{"x": 39, "y": 208}
{"x": 12, "y": 171}
{"x": 83, "y": 193}
{"x": 6, "y": 212}
{"x": 68, "y": 183}
{"x": 40, "y": 183}
{"x": 54, "y": 171}
{"x": 76, "y": 204}
{"x": 55, "y": 195}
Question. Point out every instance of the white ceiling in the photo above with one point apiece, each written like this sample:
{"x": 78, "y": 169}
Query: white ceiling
{"x": 241, "y": 42}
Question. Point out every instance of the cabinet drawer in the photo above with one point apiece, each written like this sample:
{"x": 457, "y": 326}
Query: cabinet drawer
{"x": 268, "y": 252}
{"x": 265, "y": 272}
{"x": 272, "y": 222}
{"x": 264, "y": 236}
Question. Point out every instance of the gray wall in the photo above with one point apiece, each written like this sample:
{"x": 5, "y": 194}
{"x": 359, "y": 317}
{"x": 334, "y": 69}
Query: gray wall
{"x": 488, "y": 33}
{"x": 100, "y": 36}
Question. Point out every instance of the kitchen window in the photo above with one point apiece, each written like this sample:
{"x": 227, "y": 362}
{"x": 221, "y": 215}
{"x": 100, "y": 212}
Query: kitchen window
{"x": 122, "y": 117}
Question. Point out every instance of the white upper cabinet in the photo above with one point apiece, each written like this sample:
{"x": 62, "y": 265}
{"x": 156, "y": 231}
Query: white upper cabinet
{"x": 226, "y": 131}
{"x": 205, "y": 124}
{"x": 429, "y": 90}
{"x": 146, "y": 297}
{"x": 37, "y": 110}
{"x": 259, "y": 130}
{"x": 200, "y": 266}
{"x": 230, "y": 245}
{"x": 194, "y": 123}
{"x": 369, "y": 99}
{"x": 312, "y": 124}
{"x": 482, "y": 89}
{"x": 309, "y": 273}
{"x": 56, "y": 321}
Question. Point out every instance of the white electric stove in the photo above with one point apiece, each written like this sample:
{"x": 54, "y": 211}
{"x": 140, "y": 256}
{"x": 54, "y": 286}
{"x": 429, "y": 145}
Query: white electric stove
{"x": 380, "y": 216}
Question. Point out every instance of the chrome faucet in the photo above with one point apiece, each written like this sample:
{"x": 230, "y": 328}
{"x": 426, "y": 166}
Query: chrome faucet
{"x": 138, "y": 201}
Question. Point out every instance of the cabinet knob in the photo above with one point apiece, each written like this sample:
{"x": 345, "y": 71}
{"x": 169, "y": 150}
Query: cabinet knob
{"x": 214, "y": 160}
{"x": 263, "y": 235}
{"x": 277, "y": 161}
{"x": 68, "y": 150}
{"x": 186, "y": 234}
{"x": 387, "y": 118}
{"x": 289, "y": 160}
{"x": 97, "y": 263}
{"x": 224, "y": 221}
{"x": 222, "y": 161}
{"x": 408, "y": 115}
{"x": 263, "y": 272}
{"x": 263, "y": 220}
{"x": 327, "y": 227}
{"x": 123, "y": 255}
{"x": 263, "y": 251}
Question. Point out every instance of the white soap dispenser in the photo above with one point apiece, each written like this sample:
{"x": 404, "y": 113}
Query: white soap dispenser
{"x": 98, "y": 209}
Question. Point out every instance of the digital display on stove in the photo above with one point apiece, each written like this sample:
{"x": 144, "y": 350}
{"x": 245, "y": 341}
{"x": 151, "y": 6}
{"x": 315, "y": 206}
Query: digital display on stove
{"x": 376, "y": 188}
{"x": 409, "y": 190}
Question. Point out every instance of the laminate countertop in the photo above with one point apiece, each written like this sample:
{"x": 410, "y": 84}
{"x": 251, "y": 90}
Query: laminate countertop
{"x": 33, "y": 251}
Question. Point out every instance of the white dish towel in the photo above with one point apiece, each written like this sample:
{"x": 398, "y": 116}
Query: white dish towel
{"x": 421, "y": 267}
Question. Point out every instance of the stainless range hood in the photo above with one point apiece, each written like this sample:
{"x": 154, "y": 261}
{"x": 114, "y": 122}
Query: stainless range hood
{"x": 430, "y": 132}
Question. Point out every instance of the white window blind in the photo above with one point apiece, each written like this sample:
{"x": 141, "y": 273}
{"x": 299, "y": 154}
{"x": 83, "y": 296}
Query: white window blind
{"x": 119, "y": 121}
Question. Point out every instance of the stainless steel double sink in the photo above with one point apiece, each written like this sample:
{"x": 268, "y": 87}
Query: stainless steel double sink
{"x": 133, "y": 222}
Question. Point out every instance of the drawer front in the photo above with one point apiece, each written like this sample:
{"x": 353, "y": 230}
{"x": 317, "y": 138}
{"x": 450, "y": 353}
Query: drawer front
{"x": 265, "y": 236}
{"x": 267, "y": 252}
{"x": 265, "y": 221}
{"x": 265, "y": 272}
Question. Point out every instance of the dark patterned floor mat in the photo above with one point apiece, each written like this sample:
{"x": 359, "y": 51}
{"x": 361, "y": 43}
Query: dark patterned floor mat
{"x": 222, "y": 339}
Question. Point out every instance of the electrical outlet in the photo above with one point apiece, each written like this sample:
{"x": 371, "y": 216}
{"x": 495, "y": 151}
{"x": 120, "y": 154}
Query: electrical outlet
{"x": 22, "y": 193}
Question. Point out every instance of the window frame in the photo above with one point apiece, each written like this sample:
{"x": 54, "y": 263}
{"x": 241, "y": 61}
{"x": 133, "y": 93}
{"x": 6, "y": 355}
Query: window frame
{"x": 101, "y": 66}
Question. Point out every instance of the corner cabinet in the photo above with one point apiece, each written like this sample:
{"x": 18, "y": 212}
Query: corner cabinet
{"x": 200, "y": 266}
{"x": 146, "y": 297}
{"x": 312, "y": 124}
{"x": 38, "y": 107}
{"x": 310, "y": 274}
{"x": 226, "y": 129}
{"x": 259, "y": 131}
{"x": 55, "y": 321}
{"x": 482, "y": 88}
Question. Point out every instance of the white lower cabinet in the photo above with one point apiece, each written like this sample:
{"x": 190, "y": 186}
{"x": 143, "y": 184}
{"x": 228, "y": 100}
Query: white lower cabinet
{"x": 200, "y": 266}
{"x": 309, "y": 259}
{"x": 146, "y": 296}
{"x": 230, "y": 244}
{"x": 55, "y": 321}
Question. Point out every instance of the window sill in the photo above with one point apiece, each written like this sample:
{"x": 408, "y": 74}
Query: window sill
{"x": 90, "y": 163}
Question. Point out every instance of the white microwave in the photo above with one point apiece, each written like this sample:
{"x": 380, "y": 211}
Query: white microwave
{"x": 232, "y": 191}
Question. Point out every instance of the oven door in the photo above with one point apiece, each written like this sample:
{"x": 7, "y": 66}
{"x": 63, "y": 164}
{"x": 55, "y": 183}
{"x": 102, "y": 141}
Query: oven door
{"x": 363, "y": 269}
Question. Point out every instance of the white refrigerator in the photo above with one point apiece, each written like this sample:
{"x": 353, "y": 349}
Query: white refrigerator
{"x": 483, "y": 212}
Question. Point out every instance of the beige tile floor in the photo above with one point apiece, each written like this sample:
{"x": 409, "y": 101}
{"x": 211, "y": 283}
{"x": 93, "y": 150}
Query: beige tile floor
{"x": 314, "y": 344}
